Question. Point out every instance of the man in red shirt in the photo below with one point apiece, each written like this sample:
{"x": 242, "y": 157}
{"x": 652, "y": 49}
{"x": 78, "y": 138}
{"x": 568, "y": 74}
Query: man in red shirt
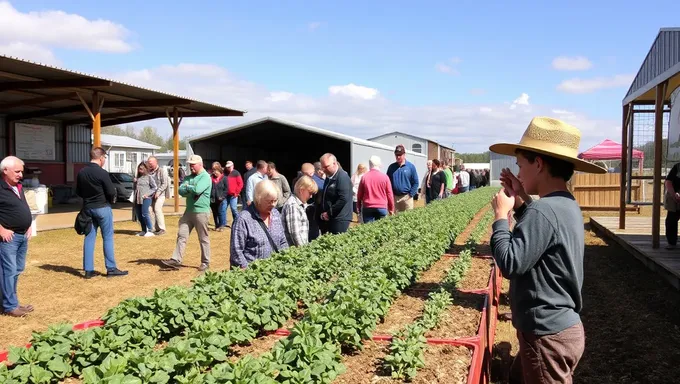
{"x": 235, "y": 183}
{"x": 375, "y": 199}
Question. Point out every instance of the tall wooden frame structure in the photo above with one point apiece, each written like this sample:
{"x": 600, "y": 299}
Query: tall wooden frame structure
{"x": 658, "y": 77}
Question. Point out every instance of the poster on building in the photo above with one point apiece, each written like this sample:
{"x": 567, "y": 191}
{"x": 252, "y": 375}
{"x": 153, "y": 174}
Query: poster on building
{"x": 35, "y": 142}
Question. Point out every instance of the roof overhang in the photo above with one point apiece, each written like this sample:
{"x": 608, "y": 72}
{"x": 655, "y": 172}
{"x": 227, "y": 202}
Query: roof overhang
{"x": 29, "y": 91}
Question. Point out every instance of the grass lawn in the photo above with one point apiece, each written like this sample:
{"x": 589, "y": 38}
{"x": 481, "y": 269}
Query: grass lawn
{"x": 52, "y": 280}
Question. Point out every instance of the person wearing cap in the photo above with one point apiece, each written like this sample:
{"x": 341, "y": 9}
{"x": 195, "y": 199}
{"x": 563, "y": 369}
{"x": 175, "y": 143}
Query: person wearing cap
{"x": 543, "y": 255}
{"x": 235, "y": 183}
{"x": 404, "y": 179}
{"x": 196, "y": 189}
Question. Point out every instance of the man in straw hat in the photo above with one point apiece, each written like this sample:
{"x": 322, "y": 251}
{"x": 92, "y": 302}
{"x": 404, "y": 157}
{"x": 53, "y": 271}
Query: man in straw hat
{"x": 545, "y": 269}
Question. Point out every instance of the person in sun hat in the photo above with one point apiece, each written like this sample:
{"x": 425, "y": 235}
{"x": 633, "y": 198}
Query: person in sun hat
{"x": 545, "y": 268}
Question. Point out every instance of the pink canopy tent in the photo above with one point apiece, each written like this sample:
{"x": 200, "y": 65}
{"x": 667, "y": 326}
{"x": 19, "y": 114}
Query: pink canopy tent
{"x": 609, "y": 150}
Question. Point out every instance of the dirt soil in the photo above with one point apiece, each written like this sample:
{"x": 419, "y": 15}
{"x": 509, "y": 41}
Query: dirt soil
{"x": 405, "y": 310}
{"x": 461, "y": 319}
{"x": 477, "y": 276}
{"x": 53, "y": 283}
{"x": 631, "y": 318}
{"x": 443, "y": 364}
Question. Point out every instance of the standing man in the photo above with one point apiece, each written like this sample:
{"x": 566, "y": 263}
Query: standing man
{"x": 336, "y": 197}
{"x": 94, "y": 186}
{"x": 162, "y": 179}
{"x": 235, "y": 183}
{"x": 250, "y": 170}
{"x": 449, "y": 179}
{"x": 281, "y": 183}
{"x": 545, "y": 269}
{"x": 257, "y": 176}
{"x": 404, "y": 179}
{"x": 196, "y": 188}
{"x": 15, "y": 231}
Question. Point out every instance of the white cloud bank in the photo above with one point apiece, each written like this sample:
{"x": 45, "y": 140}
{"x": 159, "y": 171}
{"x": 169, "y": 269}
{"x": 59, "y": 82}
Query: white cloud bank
{"x": 581, "y": 86}
{"x": 577, "y": 63}
{"x": 33, "y": 35}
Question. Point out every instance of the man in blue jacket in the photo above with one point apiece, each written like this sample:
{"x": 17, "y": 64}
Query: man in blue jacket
{"x": 404, "y": 179}
{"x": 336, "y": 197}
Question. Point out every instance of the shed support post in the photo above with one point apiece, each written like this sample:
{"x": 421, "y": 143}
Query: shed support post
{"x": 658, "y": 158}
{"x": 175, "y": 121}
{"x": 624, "y": 165}
{"x": 95, "y": 115}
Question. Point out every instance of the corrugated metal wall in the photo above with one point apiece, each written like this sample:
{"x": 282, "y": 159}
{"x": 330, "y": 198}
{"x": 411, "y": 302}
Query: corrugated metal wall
{"x": 3, "y": 138}
{"x": 665, "y": 53}
{"x": 498, "y": 162}
{"x": 79, "y": 143}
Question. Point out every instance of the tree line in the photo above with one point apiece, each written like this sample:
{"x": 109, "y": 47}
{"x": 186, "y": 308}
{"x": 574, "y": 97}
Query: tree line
{"x": 148, "y": 134}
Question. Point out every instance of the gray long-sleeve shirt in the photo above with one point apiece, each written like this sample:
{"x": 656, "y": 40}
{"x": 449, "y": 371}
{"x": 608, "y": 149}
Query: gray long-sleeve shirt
{"x": 543, "y": 259}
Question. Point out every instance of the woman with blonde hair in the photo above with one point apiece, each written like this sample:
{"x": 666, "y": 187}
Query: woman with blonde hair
{"x": 258, "y": 231}
{"x": 218, "y": 196}
{"x": 294, "y": 216}
{"x": 356, "y": 180}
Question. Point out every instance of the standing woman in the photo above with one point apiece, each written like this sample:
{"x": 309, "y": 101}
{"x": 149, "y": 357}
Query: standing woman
{"x": 437, "y": 181}
{"x": 218, "y": 197}
{"x": 356, "y": 180}
{"x": 145, "y": 187}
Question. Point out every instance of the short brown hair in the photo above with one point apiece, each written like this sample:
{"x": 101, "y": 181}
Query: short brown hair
{"x": 216, "y": 166}
{"x": 261, "y": 164}
{"x": 97, "y": 153}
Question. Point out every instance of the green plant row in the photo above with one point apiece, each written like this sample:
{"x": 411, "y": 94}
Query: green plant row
{"x": 407, "y": 348}
{"x": 219, "y": 310}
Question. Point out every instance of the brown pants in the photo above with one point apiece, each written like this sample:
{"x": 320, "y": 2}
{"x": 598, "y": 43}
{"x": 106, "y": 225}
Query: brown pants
{"x": 548, "y": 359}
{"x": 403, "y": 203}
{"x": 187, "y": 223}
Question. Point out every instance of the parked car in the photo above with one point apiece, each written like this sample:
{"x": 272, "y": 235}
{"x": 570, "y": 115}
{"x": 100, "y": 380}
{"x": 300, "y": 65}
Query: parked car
{"x": 124, "y": 184}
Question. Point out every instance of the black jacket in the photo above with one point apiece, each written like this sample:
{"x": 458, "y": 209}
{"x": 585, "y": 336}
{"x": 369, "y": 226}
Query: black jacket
{"x": 219, "y": 190}
{"x": 94, "y": 186}
{"x": 336, "y": 197}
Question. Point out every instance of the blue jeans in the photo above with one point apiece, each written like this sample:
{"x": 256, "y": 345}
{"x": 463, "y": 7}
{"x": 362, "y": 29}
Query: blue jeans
{"x": 143, "y": 215}
{"x": 219, "y": 210}
{"x": 101, "y": 218}
{"x": 12, "y": 263}
{"x": 232, "y": 202}
{"x": 372, "y": 214}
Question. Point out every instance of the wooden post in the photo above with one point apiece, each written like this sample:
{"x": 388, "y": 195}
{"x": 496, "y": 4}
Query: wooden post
{"x": 175, "y": 121}
{"x": 624, "y": 166}
{"x": 658, "y": 157}
{"x": 95, "y": 115}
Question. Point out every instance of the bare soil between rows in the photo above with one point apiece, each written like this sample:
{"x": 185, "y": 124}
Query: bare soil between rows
{"x": 443, "y": 364}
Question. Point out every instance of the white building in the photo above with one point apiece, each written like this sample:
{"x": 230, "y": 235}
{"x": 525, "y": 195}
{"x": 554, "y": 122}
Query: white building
{"x": 125, "y": 153}
{"x": 165, "y": 158}
{"x": 431, "y": 149}
{"x": 498, "y": 162}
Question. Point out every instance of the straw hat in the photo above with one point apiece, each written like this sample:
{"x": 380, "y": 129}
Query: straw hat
{"x": 550, "y": 137}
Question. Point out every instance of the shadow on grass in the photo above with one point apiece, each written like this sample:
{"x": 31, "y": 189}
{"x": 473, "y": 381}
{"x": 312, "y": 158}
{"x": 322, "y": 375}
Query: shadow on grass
{"x": 129, "y": 232}
{"x": 62, "y": 269}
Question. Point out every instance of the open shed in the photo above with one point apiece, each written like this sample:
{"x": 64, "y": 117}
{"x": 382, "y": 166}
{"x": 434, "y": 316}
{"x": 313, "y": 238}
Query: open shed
{"x": 289, "y": 144}
{"x": 655, "y": 82}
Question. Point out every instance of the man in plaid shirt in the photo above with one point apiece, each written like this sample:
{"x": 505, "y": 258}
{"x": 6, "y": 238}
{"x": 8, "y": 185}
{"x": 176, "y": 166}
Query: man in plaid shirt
{"x": 295, "y": 221}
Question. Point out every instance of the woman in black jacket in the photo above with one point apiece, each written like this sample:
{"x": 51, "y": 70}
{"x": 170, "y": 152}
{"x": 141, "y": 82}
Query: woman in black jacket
{"x": 218, "y": 196}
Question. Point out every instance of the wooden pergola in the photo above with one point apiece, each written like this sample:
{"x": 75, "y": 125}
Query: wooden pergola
{"x": 34, "y": 91}
{"x": 656, "y": 80}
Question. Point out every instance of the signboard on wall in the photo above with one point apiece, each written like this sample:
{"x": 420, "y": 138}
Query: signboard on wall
{"x": 35, "y": 142}
{"x": 674, "y": 128}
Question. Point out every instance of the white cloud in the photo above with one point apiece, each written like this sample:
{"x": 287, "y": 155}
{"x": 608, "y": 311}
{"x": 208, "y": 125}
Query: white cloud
{"x": 448, "y": 68}
{"x": 313, "y": 26}
{"x": 30, "y": 52}
{"x": 354, "y": 110}
{"x": 561, "y": 112}
{"x": 32, "y": 35}
{"x": 576, "y": 63}
{"x": 523, "y": 99}
{"x": 455, "y": 60}
{"x": 354, "y": 91}
{"x": 580, "y": 86}
{"x": 477, "y": 91}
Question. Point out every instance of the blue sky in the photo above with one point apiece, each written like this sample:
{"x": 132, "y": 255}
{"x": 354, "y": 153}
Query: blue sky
{"x": 431, "y": 55}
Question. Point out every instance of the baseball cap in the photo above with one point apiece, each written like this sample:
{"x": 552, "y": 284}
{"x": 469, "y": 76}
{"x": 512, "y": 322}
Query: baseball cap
{"x": 399, "y": 150}
{"x": 195, "y": 159}
{"x": 229, "y": 164}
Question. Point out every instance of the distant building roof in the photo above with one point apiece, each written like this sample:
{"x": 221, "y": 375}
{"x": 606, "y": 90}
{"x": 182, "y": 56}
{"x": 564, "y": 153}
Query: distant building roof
{"x": 180, "y": 153}
{"x": 126, "y": 142}
{"x": 408, "y": 134}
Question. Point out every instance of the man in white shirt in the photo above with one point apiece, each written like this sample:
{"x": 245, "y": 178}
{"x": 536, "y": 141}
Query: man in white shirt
{"x": 464, "y": 180}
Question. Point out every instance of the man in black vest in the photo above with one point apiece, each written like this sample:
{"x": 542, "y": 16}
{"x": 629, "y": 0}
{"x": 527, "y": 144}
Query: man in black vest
{"x": 15, "y": 231}
{"x": 336, "y": 197}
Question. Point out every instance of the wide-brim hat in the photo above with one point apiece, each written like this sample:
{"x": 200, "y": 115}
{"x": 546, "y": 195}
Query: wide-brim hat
{"x": 553, "y": 138}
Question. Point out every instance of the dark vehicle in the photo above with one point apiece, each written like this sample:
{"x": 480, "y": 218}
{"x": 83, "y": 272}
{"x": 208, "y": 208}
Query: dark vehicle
{"x": 124, "y": 184}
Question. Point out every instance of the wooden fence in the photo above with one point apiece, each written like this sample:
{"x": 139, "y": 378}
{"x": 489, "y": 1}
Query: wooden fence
{"x": 601, "y": 192}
